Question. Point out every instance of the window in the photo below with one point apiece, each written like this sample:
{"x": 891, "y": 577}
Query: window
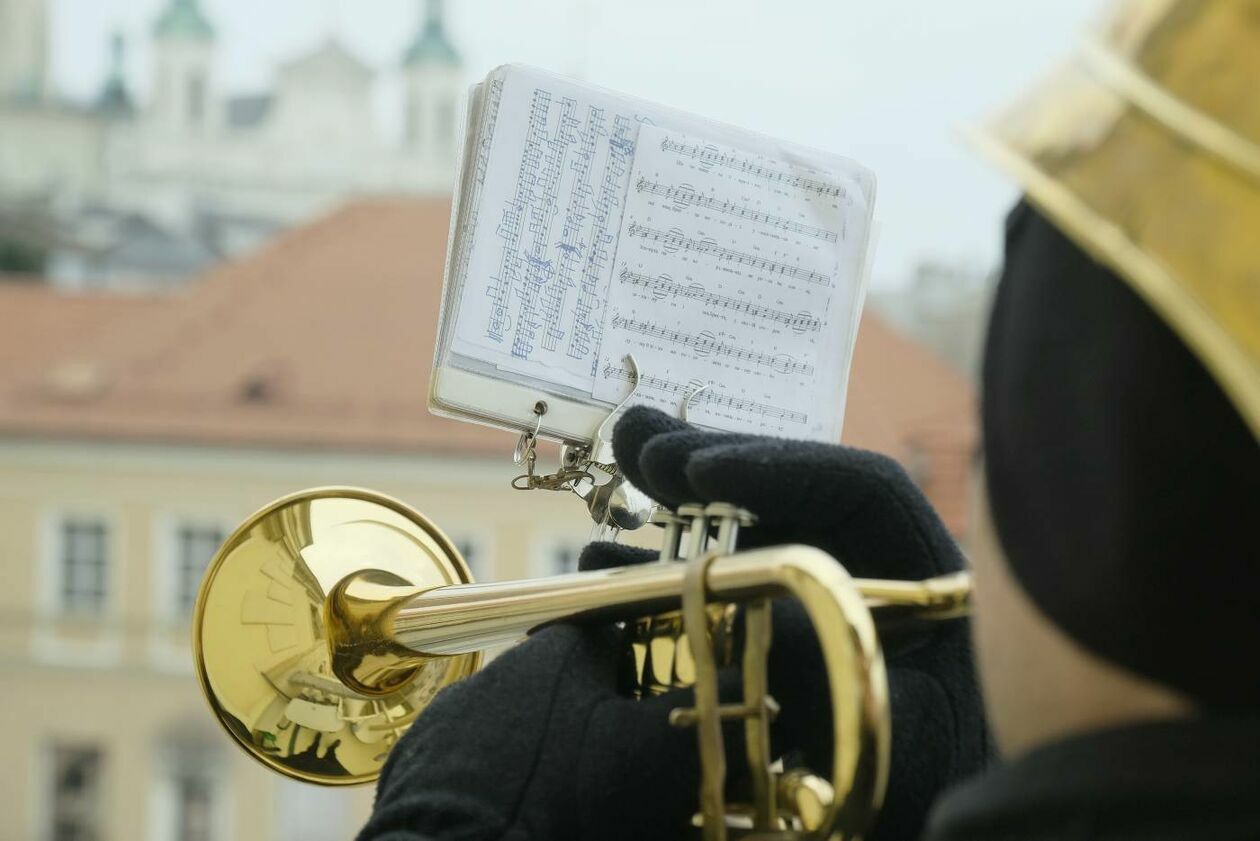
{"x": 195, "y": 545}
{"x": 476, "y": 554}
{"x": 564, "y": 558}
{"x": 196, "y": 98}
{"x": 310, "y": 813}
{"x": 193, "y": 802}
{"x": 555, "y": 554}
{"x": 83, "y": 567}
{"x": 75, "y": 802}
{"x": 187, "y": 802}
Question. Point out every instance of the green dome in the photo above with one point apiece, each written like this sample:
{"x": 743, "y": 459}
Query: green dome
{"x": 183, "y": 19}
{"x": 431, "y": 45}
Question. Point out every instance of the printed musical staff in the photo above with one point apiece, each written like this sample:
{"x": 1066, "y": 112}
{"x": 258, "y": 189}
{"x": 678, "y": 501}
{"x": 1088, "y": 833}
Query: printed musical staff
{"x": 543, "y": 207}
{"x": 558, "y": 231}
{"x": 494, "y": 96}
{"x": 663, "y": 285}
{"x": 676, "y": 241}
{"x": 731, "y": 269}
{"x": 587, "y": 324}
{"x": 684, "y": 195}
{"x": 511, "y": 225}
{"x": 706, "y": 343}
{"x": 572, "y": 243}
{"x": 472, "y": 206}
{"x": 707, "y": 397}
{"x": 715, "y": 157}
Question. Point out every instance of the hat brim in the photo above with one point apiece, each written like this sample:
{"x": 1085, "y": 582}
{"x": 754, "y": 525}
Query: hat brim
{"x": 1178, "y": 222}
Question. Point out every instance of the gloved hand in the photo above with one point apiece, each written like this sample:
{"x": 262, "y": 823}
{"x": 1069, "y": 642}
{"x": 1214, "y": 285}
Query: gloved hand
{"x": 863, "y": 509}
{"x": 540, "y": 745}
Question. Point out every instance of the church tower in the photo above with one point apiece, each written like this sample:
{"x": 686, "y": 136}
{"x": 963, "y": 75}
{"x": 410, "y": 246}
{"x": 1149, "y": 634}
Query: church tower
{"x": 23, "y": 50}
{"x": 432, "y": 84}
{"x": 183, "y": 52}
{"x": 114, "y": 100}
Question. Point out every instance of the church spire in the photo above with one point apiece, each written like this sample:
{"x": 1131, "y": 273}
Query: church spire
{"x": 114, "y": 100}
{"x": 431, "y": 45}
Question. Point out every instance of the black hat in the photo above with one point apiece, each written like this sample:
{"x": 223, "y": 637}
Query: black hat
{"x": 1124, "y": 484}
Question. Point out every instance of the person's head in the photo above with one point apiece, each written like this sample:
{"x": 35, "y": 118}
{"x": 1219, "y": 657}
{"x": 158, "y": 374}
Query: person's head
{"x": 1121, "y": 387}
{"x": 1116, "y": 563}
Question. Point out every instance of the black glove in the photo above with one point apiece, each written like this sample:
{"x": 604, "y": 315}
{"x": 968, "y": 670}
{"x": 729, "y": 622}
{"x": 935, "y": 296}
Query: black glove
{"x": 541, "y": 745}
{"x": 862, "y": 508}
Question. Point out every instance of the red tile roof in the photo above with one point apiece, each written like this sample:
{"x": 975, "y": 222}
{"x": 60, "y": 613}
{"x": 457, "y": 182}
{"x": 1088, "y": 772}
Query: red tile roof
{"x": 325, "y": 339}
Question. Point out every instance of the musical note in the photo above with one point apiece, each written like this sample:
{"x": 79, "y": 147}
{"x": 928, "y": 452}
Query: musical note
{"x": 712, "y": 156}
{"x": 537, "y": 271}
{"x": 572, "y": 244}
{"x": 539, "y": 267}
{"x": 676, "y": 241}
{"x": 706, "y": 397}
{"x": 706, "y": 343}
{"x": 747, "y": 253}
{"x": 511, "y": 225}
{"x": 684, "y": 195}
{"x": 663, "y": 285}
{"x": 584, "y": 343}
{"x": 494, "y": 96}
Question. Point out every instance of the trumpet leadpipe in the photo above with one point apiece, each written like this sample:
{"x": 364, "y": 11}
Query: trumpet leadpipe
{"x": 465, "y": 618}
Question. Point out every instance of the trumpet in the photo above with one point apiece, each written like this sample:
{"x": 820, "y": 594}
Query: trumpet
{"x": 329, "y": 620}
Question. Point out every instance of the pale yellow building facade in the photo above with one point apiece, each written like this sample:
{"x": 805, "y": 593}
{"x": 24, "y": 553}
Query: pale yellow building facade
{"x": 108, "y": 736}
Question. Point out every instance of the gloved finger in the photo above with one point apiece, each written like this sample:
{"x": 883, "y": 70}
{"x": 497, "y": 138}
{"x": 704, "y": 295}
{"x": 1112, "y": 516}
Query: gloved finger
{"x": 635, "y": 428}
{"x": 606, "y": 555}
{"x": 797, "y": 675}
{"x": 663, "y": 463}
{"x": 921, "y": 760}
{"x": 939, "y": 737}
{"x": 642, "y": 779}
{"x": 587, "y": 658}
{"x": 522, "y": 685}
{"x": 781, "y": 480}
{"x": 858, "y": 505}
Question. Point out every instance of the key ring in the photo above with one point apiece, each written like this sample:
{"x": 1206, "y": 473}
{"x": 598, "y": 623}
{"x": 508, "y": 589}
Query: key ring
{"x": 526, "y": 453}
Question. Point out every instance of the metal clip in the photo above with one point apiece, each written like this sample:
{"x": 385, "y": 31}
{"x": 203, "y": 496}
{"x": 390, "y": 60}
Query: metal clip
{"x": 562, "y": 480}
{"x": 601, "y": 443}
{"x": 613, "y": 503}
{"x": 527, "y": 453}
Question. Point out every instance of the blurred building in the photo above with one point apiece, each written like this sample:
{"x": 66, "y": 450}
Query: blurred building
{"x": 945, "y": 307}
{"x": 208, "y": 174}
{"x": 136, "y": 431}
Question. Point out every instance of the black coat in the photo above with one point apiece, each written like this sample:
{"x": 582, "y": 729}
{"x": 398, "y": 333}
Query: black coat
{"x": 1192, "y": 780}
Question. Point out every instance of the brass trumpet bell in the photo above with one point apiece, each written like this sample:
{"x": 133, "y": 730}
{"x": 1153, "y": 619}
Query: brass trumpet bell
{"x": 261, "y": 633}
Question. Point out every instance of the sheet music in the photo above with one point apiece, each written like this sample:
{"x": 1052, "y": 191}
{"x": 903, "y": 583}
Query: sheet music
{"x": 590, "y": 225}
{"x": 538, "y": 280}
{"x": 736, "y": 272}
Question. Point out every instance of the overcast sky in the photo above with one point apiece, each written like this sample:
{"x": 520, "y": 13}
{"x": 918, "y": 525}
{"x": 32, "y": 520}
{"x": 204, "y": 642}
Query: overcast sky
{"x": 886, "y": 82}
